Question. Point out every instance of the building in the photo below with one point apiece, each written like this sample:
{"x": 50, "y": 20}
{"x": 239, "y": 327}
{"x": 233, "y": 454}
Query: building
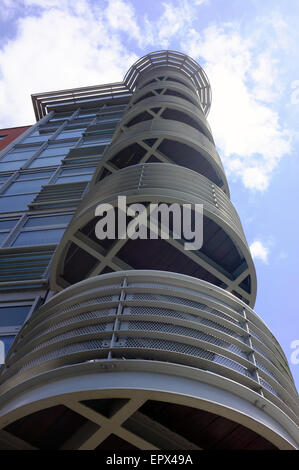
{"x": 124, "y": 343}
{"x": 9, "y": 135}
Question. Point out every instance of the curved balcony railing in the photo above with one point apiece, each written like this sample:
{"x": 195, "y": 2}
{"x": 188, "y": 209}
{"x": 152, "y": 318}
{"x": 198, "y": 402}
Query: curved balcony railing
{"x": 167, "y": 141}
{"x": 162, "y": 88}
{"x": 165, "y": 120}
{"x": 224, "y": 258}
{"x": 164, "y": 75}
{"x": 174, "y": 61}
{"x": 159, "y": 318}
{"x": 166, "y": 107}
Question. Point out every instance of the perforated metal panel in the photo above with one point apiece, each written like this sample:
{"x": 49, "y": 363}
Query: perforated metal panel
{"x": 182, "y": 301}
{"x": 232, "y": 365}
{"x": 77, "y": 326}
{"x": 168, "y": 346}
{"x": 269, "y": 387}
{"x": 160, "y": 311}
{"x": 92, "y": 301}
{"x": 87, "y": 330}
{"x": 63, "y": 352}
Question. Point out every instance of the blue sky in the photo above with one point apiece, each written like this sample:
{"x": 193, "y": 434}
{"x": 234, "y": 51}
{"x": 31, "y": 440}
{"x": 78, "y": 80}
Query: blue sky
{"x": 250, "y": 53}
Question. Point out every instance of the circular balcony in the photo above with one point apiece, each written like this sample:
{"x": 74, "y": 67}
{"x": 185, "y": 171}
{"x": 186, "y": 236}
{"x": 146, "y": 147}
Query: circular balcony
{"x": 223, "y": 260}
{"x": 162, "y": 88}
{"x": 135, "y": 354}
{"x": 166, "y": 107}
{"x": 176, "y": 62}
{"x": 165, "y": 75}
{"x": 166, "y": 141}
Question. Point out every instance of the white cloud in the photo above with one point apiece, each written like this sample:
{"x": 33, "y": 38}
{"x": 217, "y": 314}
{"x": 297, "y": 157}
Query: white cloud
{"x": 59, "y": 49}
{"x": 259, "y": 251}
{"x": 266, "y": 79}
{"x": 174, "y": 19}
{"x": 244, "y": 85}
{"x": 75, "y": 43}
{"x": 121, "y": 17}
{"x": 284, "y": 33}
{"x": 200, "y": 2}
{"x": 71, "y": 43}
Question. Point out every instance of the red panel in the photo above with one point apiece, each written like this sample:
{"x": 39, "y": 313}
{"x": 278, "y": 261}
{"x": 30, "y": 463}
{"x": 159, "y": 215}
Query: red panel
{"x": 10, "y": 135}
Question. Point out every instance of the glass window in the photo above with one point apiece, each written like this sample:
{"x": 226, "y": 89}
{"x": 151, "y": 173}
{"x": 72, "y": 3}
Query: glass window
{"x": 69, "y": 134}
{"x": 56, "y": 149}
{"x": 2, "y": 137}
{"x": 12, "y": 157}
{"x": 7, "y": 224}
{"x": 7, "y": 340}
{"x": 101, "y": 147}
{"x": 5, "y": 228}
{"x": 39, "y": 237}
{"x": 19, "y": 154}
{"x": 80, "y": 125}
{"x": 61, "y": 116}
{"x": 36, "y": 174}
{"x": 14, "y": 315}
{"x": 28, "y": 186}
{"x": 3, "y": 180}
{"x": 73, "y": 179}
{"x": 36, "y": 138}
{"x": 44, "y": 130}
{"x": 3, "y": 236}
{"x": 79, "y": 121}
{"x": 15, "y": 203}
{"x": 62, "y": 219}
{"x": 40, "y": 162}
{"x": 7, "y": 166}
{"x": 78, "y": 170}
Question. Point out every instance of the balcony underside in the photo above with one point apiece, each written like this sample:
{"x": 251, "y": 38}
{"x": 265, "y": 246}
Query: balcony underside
{"x": 130, "y": 420}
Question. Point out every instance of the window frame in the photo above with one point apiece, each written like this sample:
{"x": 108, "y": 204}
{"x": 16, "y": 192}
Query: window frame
{"x": 33, "y": 302}
{"x": 8, "y": 231}
{"x": 9, "y": 243}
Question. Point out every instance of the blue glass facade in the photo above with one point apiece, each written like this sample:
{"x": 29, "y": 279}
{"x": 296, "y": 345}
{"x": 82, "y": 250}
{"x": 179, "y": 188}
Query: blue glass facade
{"x": 41, "y": 184}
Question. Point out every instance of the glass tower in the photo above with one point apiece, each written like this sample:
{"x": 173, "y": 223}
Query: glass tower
{"x": 131, "y": 343}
